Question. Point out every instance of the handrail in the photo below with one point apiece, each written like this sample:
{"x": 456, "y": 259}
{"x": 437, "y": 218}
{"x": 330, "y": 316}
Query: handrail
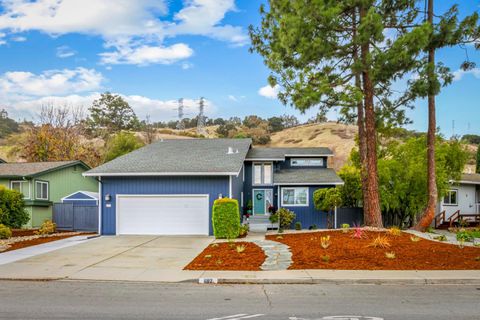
{"x": 439, "y": 219}
{"x": 454, "y": 217}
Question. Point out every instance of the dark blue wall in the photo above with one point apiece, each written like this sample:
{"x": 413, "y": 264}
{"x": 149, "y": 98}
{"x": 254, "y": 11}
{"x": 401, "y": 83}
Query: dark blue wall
{"x": 213, "y": 186}
{"x": 237, "y": 188}
{"x": 248, "y": 188}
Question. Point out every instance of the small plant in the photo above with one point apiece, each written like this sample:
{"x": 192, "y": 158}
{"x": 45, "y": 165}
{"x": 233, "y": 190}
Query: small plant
{"x": 214, "y": 245}
{"x": 395, "y": 231}
{"x": 244, "y": 230}
{"x": 240, "y": 248}
{"x": 279, "y": 237}
{"x": 345, "y": 227}
{"x": 441, "y": 238}
{"x": 465, "y": 236}
{"x": 313, "y": 227}
{"x": 463, "y": 223}
{"x": 358, "y": 233}
{"x": 326, "y": 258}
{"x": 284, "y": 217}
{"x": 477, "y": 258}
{"x": 461, "y": 243}
{"x": 325, "y": 242}
{"x": 48, "y": 227}
{"x": 430, "y": 229}
{"x": 219, "y": 262}
{"x": 414, "y": 238}
{"x": 298, "y": 225}
{"x": 390, "y": 255}
{"x": 5, "y": 232}
{"x": 207, "y": 256}
{"x": 380, "y": 242}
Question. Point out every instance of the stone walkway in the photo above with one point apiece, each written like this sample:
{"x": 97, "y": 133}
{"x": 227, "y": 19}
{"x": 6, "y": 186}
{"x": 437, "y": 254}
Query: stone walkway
{"x": 278, "y": 255}
{"x": 451, "y": 238}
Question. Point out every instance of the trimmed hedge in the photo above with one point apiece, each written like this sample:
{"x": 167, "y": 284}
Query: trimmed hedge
{"x": 226, "y": 218}
{"x": 12, "y": 208}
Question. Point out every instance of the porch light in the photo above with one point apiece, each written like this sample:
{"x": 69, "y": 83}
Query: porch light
{"x": 108, "y": 197}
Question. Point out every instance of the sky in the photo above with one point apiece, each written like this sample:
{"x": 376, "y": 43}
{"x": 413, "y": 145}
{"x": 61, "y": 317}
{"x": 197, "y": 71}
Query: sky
{"x": 153, "y": 52}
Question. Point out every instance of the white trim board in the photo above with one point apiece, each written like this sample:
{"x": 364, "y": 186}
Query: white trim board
{"x": 159, "y": 174}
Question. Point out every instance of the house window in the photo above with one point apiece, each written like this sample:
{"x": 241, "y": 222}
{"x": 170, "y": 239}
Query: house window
{"x": 295, "y": 197}
{"x": 41, "y": 190}
{"x": 451, "y": 198}
{"x": 262, "y": 173}
{"x": 22, "y": 187}
{"x": 306, "y": 162}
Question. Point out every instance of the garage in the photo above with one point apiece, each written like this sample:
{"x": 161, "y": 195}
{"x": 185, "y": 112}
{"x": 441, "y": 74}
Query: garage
{"x": 163, "y": 214}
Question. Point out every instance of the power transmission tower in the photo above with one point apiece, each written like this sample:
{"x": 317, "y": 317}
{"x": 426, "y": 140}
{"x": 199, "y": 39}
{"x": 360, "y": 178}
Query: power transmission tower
{"x": 201, "y": 117}
{"x": 180, "y": 124}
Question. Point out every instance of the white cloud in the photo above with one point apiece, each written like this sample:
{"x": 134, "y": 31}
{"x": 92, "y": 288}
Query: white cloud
{"x": 269, "y": 91}
{"x": 19, "y": 39}
{"x": 187, "y": 65}
{"x": 2, "y": 37}
{"x": 158, "y": 110}
{"x": 131, "y": 28}
{"x": 65, "y": 52}
{"x": 51, "y": 82}
{"x": 459, "y": 74}
{"x": 232, "y": 98}
{"x": 145, "y": 55}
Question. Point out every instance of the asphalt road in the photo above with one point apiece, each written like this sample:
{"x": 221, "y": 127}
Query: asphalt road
{"x": 110, "y": 300}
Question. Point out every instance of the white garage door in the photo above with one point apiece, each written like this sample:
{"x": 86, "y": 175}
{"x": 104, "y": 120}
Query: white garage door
{"x": 162, "y": 214}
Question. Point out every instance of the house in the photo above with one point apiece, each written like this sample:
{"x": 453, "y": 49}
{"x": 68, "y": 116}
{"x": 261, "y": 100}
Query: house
{"x": 45, "y": 183}
{"x": 463, "y": 197}
{"x": 169, "y": 187}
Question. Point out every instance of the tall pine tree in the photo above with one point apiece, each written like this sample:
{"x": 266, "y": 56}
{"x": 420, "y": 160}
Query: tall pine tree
{"x": 337, "y": 54}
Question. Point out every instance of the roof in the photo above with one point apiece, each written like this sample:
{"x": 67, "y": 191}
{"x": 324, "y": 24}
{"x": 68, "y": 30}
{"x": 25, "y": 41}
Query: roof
{"x": 307, "y": 176}
{"x": 179, "y": 157}
{"x": 470, "y": 178}
{"x": 281, "y": 153}
{"x": 32, "y": 169}
{"x": 89, "y": 194}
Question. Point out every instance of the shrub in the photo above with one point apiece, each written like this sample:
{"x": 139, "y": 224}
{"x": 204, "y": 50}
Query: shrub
{"x": 390, "y": 255}
{"x": 465, "y": 236}
{"x": 48, "y": 227}
{"x": 5, "y": 232}
{"x": 243, "y": 231}
{"x": 380, "y": 242}
{"x": 285, "y": 216}
{"x": 430, "y": 229}
{"x": 313, "y": 227}
{"x": 345, "y": 227}
{"x": 298, "y": 225}
{"x": 395, "y": 231}
{"x": 414, "y": 238}
{"x": 441, "y": 238}
{"x": 226, "y": 218}
{"x": 12, "y": 208}
{"x": 358, "y": 233}
{"x": 325, "y": 242}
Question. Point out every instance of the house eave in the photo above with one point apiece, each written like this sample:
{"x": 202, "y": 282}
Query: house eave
{"x": 308, "y": 183}
{"x": 309, "y": 155}
{"x": 158, "y": 174}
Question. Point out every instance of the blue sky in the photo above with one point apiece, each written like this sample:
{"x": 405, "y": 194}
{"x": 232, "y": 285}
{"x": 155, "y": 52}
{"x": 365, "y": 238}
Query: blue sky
{"x": 156, "y": 51}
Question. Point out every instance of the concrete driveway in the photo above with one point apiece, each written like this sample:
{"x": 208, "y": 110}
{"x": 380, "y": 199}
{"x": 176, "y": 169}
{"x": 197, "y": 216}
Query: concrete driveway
{"x": 134, "y": 258}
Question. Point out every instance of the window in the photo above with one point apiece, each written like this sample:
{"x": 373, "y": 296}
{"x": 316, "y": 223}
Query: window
{"x": 41, "y": 190}
{"x": 451, "y": 198}
{"x": 21, "y": 186}
{"x": 306, "y": 162}
{"x": 262, "y": 173}
{"x": 294, "y": 197}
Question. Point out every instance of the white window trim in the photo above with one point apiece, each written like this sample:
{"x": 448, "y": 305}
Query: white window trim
{"x": 306, "y": 165}
{"x": 448, "y": 194}
{"x": 29, "y": 188}
{"x": 262, "y": 173}
{"x": 295, "y": 205}
{"x": 41, "y": 182}
{"x": 241, "y": 199}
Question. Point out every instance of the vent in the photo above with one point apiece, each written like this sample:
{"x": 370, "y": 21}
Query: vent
{"x": 230, "y": 150}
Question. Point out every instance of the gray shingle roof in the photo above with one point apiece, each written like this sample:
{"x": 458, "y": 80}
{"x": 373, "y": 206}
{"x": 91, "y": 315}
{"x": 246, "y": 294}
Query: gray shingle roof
{"x": 473, "y": 178}
{"x": 306, "y": 176}
{"x": 189, "y": 156}
{"x": 280, "y": 153}
{"x": 28, "y": 169}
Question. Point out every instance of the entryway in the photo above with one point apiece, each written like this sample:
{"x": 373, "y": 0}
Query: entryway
{"x": 262, "y": 200}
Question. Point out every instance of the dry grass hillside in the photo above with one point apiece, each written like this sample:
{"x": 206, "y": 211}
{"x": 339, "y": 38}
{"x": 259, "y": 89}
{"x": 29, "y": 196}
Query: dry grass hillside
{"x": 339, "y": 138}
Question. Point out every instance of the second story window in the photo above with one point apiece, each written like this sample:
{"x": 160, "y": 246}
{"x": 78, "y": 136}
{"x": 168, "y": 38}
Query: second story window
{"x": 306, "y": 162}
{"x": 22, "y": 187}
{"x": 262, "y": 173}
{"x": 41, "y": 190}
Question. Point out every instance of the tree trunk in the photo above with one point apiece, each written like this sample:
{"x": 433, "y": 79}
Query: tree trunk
{"x": 373, "y": 215}
{"x": 429, "y": 213}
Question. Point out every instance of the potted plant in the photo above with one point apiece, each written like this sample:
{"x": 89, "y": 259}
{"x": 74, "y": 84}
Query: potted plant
{"x": 249, "y": 208}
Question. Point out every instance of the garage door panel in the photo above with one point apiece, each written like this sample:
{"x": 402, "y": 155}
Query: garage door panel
{"x": 163, "y": 215}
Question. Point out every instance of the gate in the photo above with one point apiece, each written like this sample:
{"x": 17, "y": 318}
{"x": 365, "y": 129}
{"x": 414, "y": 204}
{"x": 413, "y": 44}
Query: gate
{"x": 72, "y": 217}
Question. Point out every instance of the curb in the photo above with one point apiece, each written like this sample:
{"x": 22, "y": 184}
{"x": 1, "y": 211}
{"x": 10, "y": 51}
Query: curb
{"x": 412, "y": 281}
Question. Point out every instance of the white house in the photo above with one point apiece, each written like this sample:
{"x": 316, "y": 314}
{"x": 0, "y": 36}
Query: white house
{"x": 463, "y": 196}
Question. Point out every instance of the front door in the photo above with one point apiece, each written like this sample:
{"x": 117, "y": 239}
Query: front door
{"x": 258, "y": 201}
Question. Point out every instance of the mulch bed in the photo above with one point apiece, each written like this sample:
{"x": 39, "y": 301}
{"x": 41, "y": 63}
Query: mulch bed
{"x": 33, "y": 242}
{"x": 223, "y": 256}
{"x": 23, "y": 232}
{"x": 348, "y": 253}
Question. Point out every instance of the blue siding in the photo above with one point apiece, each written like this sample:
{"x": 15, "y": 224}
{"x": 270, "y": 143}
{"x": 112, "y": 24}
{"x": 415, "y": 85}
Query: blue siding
{"x": 237, "y": 188}
{"x": 85, "y": 203}
{"x": 309, "y": 216}
{"x": 213, "y": 186}
{"x": 248, "y": 187}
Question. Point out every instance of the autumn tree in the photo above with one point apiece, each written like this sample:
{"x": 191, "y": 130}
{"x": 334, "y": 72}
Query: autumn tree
{"x": 447, "y": 32}
{"x": 111, "y": 113}
{"x": 336, "y": 54}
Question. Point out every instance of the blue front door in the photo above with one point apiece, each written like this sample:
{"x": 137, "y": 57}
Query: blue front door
{"x": 258, "y": 201}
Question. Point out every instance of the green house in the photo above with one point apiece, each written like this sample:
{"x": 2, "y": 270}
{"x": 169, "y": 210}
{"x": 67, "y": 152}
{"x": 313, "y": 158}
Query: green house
{"x": 45, "y": 183}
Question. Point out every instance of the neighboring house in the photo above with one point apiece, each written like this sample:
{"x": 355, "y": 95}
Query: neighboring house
{"x": 45, "y": 183}
{"x": 463, "y": 196}
{"x": 169, "y": 187}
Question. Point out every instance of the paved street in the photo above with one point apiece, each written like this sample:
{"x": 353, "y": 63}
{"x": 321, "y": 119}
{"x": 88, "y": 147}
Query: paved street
{"x": 114, "y": 300}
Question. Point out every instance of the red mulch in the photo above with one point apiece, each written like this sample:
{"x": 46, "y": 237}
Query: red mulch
{"x": 23, "y": 232}
{"x": 29, "y": 243}
{"x": 347, "y": 253}
{"x": 223, "y": 256}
